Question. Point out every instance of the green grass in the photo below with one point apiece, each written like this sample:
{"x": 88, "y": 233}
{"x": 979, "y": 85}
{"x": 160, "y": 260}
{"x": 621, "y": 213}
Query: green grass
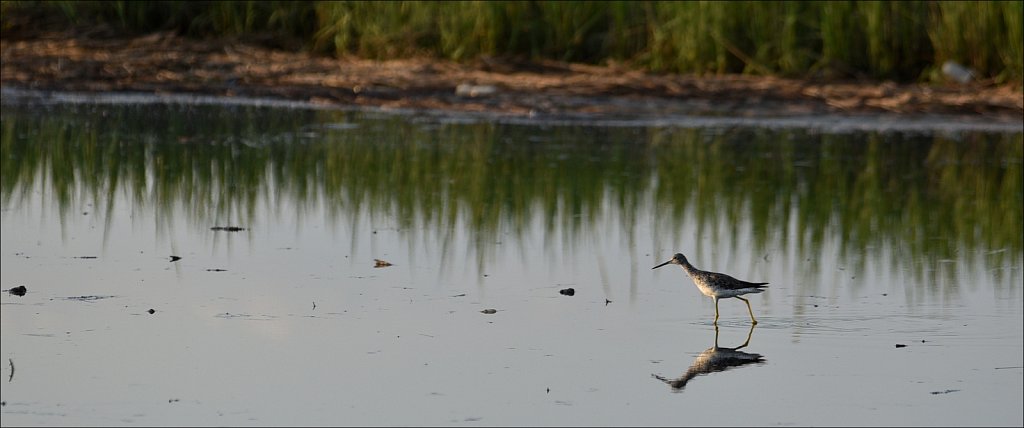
{"x": 902, "y": 40}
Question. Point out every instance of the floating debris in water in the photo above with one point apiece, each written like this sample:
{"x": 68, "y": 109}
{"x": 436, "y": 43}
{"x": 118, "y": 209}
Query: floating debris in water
{"x": 18, "y": 291}
{"x": 489, "y": 311}
{"x": 900, "y": 345}
{"x": 944, "y": 392}
{"x": 86, "y": 257}
{"x": 378, "y": 263}
{"x": 606, "y": 302}
{"x": 567, "y": 291}
{"x": 175, "y": 258}
{"x": 88, "y": 298}
{"x": 258, "y": 317}
{"x": 151, "y": 311}
{"x": 228, "y": 228}
{"x": 217, "y": 270}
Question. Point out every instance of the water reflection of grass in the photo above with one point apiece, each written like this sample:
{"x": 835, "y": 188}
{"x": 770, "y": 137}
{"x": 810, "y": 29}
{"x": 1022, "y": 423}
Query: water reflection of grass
{"x": 924, "y": 198}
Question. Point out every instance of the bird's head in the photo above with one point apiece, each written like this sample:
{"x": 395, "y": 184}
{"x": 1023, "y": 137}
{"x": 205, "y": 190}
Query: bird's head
{"x": 677, "y": 259}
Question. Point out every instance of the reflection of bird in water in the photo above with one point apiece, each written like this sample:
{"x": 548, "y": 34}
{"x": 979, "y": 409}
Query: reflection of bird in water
{"x": 714, "y": 359}
{"x": 717, "y": 285}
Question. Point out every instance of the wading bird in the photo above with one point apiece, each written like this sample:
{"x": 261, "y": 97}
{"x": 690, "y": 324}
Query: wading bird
{"x": 717, "y": 285}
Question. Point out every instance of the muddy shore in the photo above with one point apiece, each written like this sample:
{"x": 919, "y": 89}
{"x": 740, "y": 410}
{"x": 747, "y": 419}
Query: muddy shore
{"x": 165, "y": 63}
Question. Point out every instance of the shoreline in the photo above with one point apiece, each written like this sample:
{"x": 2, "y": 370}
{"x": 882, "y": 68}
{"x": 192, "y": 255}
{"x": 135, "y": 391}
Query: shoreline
{"x": 163, "y": 63}
{"x": 827, "y": 122}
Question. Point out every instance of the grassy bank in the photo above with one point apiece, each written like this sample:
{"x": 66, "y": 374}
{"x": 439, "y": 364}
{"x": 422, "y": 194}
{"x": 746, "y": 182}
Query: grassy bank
{"x": 901, "y": 40}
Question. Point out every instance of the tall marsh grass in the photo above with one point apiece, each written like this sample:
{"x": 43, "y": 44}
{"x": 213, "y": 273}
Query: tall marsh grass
{"x": 903, "y": 40}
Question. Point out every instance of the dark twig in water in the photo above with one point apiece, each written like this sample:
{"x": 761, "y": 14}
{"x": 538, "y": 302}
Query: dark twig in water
{"x": 227, "y": 228}
{"x": 9, "y": 379}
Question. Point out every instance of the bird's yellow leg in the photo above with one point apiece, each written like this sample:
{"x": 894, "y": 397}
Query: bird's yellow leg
{"x": 751, "y": 311}
{"x": 716, "y": 312}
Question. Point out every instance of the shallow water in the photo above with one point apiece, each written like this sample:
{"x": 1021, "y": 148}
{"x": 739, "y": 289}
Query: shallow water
{"x": 869, "y": 239}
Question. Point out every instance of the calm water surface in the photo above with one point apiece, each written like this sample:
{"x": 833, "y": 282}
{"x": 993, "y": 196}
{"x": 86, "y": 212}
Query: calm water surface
{"x": 895, "y": 262}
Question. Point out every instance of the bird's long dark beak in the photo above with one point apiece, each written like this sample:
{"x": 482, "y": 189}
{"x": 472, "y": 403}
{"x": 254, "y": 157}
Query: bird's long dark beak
{"x": 663, "y": 264}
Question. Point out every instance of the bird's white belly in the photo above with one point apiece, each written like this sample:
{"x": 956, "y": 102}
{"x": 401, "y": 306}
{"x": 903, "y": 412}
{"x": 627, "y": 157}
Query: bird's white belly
{"x": 707, "y": 291}
{"x": 722, "y": 293}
